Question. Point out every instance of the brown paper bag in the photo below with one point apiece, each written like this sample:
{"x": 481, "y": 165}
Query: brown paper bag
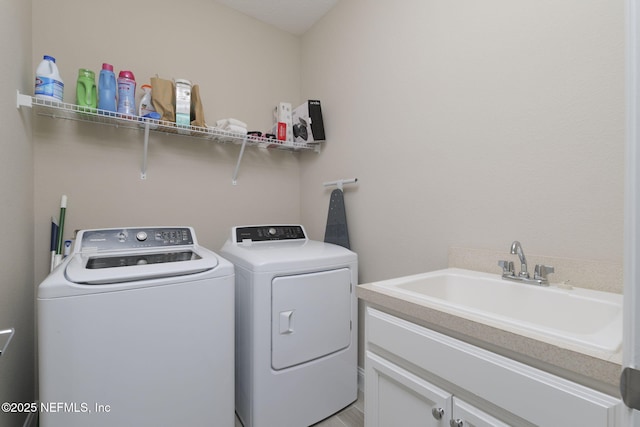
{"x": 197, "y": 112}
{"x": 164, "y": 98}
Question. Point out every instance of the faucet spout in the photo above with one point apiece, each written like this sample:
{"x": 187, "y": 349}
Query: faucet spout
{"x": 516, "y": 249}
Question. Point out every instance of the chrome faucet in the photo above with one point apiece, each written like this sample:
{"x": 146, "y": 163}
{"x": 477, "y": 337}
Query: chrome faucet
{"x": 539, "y": 275}
{"x": 516, "y": 249}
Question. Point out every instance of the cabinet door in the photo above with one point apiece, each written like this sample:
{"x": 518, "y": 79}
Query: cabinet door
{"x": 396, "y": 397}
{"x": 465, "y": 415}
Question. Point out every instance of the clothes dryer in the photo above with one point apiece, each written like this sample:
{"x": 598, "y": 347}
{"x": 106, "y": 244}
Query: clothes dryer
{"x": 296, "y": 326}
{"x": 136, "y": 328}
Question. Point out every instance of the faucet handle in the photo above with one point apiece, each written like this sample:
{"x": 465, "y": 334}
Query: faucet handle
{"x": 507, "y": 267}
{"x": 541, "y": 271}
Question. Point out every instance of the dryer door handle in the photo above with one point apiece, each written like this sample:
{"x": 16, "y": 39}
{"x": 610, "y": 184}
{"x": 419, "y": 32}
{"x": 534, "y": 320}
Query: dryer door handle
{"x": 286, "y": 322}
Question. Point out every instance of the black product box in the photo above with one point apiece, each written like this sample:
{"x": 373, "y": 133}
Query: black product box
{"x": 307, "y": 122}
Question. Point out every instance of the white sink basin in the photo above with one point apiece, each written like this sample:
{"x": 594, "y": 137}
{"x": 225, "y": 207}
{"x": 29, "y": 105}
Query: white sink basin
{"x": 578, "y": 319}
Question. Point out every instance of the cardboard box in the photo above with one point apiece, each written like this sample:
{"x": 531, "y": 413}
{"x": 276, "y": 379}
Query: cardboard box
{"x": 308, "y": 125}
{"x": 183, "y": 104}
{"x": 284, "y": 130}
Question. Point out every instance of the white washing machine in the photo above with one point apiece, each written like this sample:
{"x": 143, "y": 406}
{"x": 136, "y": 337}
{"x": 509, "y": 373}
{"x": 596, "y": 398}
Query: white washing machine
{"x": 136, "y": 328}
{"x": 296, "y": 326}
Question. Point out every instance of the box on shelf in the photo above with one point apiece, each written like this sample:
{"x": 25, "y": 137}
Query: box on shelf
{"x": 308, "y": 125}
{"x": 183, "y": 102}
{"x": 284, "y": 130}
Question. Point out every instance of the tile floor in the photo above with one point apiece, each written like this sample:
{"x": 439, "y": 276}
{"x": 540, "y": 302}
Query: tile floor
{"x": 351, "y": 416}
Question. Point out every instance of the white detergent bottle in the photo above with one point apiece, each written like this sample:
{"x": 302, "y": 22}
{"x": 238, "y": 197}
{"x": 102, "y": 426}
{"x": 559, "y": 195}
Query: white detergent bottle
{"x": 49, "y": 84}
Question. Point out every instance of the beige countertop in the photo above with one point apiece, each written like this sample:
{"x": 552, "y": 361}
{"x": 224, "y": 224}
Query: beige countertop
{"x": 591, "y": 371}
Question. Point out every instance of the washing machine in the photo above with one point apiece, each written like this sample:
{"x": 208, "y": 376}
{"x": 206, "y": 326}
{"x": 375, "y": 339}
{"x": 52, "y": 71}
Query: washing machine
{"x": 136, "y": 328}
{"x": 296, "y": 326}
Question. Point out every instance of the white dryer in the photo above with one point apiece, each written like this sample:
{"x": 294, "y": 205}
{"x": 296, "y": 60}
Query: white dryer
{"x": 136, "y": 328}
{"x": 296, "y": 326}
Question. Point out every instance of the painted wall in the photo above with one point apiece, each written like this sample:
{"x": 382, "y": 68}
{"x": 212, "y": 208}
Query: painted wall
{"x": 17, "y": 381}
{"x": 244, "y": 68}
{"x": 469, "y": 124}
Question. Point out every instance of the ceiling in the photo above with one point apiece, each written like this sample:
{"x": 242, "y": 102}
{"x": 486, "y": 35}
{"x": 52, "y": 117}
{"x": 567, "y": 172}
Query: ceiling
{"x": 294, "y": 16}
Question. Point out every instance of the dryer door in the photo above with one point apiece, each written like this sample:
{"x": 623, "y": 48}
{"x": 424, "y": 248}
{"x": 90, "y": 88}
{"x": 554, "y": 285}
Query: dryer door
{"x": 310, "y": 316}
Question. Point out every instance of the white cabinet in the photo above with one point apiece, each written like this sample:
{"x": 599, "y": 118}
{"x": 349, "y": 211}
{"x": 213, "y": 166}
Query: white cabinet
{"x": 395, "y": 396}
{"x": 418, "y": 377}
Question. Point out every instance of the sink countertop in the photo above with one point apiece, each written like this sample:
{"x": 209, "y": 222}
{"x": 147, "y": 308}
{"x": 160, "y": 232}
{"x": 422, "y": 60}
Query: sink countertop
{"x": 603, "y": 375}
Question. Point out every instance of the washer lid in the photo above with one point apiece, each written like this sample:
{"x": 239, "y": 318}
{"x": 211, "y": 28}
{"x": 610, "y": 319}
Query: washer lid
{"x": 117, "y": 267}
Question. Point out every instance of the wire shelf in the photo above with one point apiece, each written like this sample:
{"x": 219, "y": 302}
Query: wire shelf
{"x": 62, "y": 110}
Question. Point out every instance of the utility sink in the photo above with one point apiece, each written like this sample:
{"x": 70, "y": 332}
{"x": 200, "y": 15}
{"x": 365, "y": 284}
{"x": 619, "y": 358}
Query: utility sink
{"x": 574, "y": 318}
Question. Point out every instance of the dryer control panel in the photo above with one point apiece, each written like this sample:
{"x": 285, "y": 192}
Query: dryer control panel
{"x": 136, "y": 238}
{"x": 261, "y": 233}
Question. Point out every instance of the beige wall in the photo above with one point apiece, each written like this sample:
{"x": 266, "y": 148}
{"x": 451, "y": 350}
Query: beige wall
{"x": 17, "y": 381}
{"x": 243, "y": 67}
{"x": 469, "y": 124}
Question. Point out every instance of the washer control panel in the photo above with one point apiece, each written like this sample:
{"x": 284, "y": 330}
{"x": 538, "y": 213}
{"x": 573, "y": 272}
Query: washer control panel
{"x": 261, "y": 233}
{"x": 136, "y": 238}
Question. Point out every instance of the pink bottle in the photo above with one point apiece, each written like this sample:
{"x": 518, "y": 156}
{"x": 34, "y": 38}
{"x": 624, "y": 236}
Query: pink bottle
{"x": 126, "y": 93}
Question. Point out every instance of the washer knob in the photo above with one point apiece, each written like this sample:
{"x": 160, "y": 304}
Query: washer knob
{"x": 141, "y": 236}
{"x": 272, "y": 231}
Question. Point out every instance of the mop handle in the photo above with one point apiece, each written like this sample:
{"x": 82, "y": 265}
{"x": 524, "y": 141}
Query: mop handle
{"x": 63, "y": 209}
{"x": 341, "y": 182}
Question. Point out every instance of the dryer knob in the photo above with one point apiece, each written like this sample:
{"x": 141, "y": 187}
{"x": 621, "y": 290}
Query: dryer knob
{"x": 141, "y": 236}
{"x": 272, "y": 231}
